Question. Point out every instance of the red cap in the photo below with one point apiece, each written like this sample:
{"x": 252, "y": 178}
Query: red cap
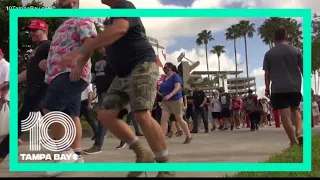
{"x": 38, "y": 24}
{"x": 1, "y": 53}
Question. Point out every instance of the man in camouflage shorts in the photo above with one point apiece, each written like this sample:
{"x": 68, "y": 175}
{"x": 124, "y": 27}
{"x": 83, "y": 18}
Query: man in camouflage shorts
{"x": 134, "y": 61}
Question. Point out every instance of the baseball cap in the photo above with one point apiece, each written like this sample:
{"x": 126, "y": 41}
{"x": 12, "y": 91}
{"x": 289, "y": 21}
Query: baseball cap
{"x": 38, "y": 24}
{"x": 1, "y": 53}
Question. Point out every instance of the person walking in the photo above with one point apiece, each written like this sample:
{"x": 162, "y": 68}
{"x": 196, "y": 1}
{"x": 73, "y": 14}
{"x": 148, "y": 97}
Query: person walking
{"x": 173, "y": 100}
{"x": 199, "y": 101}
{"x": 34, "y": 75}
{"x": 283, "y": 67}
{"x": 133, "y": 59}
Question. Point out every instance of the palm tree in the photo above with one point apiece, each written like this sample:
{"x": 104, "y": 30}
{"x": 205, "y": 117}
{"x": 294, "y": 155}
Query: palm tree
{"x": 292, "y": 26}
{"x": 233, "y": 33}
{"x": 218, "y": 49}
{"x": 204, "y": 37}
{"x": 246, "y": 30}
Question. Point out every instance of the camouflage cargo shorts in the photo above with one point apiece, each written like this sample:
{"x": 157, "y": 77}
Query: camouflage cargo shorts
{"x": 138, "y": 89}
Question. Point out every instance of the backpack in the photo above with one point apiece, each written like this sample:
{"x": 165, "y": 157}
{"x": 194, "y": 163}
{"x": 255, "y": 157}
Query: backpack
{"x": 250, "y": 105}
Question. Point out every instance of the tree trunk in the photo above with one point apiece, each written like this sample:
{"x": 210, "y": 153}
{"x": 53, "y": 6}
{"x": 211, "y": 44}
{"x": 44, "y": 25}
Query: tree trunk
{"x": 318, "y": 78}
{"x": 315, "y": 84}
{"x": 246, "y": 49}
{"x": 219, "y": 70}
{"x": 235, "y": 58}
{"x": 206, "y": 45}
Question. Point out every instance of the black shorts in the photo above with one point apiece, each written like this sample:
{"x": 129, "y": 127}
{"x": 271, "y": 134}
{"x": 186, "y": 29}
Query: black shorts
{"x": 285, "y": 100}
{"x": 225, "y": 113}
{"x": 216, "y": 115}
{"x": 64, "y": 95}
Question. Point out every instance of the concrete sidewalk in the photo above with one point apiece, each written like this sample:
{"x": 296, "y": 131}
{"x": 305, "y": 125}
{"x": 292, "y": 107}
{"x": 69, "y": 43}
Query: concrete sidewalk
{"x": 236, "y": 146}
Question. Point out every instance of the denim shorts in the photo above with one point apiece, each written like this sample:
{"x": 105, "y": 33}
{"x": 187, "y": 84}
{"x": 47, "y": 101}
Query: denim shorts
{"x": 65, "y": 95}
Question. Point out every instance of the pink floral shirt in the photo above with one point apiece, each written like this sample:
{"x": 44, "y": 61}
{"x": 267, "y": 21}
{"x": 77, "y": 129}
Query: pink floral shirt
{"x": 68, "y": 36}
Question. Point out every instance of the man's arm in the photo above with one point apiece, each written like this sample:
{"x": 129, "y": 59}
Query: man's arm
{"x": 204, "y": 99}
{"x": 266, "y": 68}
{"x": 90, "y": 96}
{"x": 22, "y": 76}
{"x": 43, "y": 65}
{"x": 113, "y": 33}
{"x": 5, "y": 75}
{"x": 185, "y": 101}
{"x": 300, "y": 62}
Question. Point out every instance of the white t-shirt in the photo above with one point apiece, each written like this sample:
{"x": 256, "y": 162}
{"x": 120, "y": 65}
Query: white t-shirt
{"x": 4, "y": 74}
{"x": 216, "y": 105}
{"x": 84, "y": 94}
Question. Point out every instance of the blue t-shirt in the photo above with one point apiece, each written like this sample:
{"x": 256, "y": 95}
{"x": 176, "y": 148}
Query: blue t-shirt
{"x": 167, "y": 86}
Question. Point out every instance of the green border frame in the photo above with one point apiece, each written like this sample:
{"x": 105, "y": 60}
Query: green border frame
{"x": 306, "y": 14}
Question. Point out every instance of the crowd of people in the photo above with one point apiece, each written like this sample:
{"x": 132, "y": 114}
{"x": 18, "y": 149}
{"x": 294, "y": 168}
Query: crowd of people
{"x": 58, "y": 78}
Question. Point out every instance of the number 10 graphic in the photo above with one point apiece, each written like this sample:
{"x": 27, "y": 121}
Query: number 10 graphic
{"x": 38, "y": 126}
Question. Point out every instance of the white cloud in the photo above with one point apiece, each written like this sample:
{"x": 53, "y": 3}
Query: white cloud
{"x": 260, "y": 91}
{"x": 257, "y": 72}
{"x": 167, "y": 30}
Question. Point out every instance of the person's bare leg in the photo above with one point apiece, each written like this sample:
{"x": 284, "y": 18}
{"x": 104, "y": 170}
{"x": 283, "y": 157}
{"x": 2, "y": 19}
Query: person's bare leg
{"x": 296, "y": 115}
{"x": 178, "y": 125}
{"x": 164, "y": 121}
{"x": 287, "y": 125}
{"x": 119, "y": 128}
{"x": 152, "y": 131}
{"x": 76, "y": 145}
{"x": 184, "y": 127}
{"x": 58, "y": 130}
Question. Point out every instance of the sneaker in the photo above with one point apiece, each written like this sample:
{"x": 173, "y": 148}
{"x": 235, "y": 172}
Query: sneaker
{"x": 94, "y": 150}
{"x": 164, "y": 173}
{"x": 122, "y": 145}
{"x": 143, "y": 155}
{"x": 71, "y": 152}
{"x": 80, "y": 159}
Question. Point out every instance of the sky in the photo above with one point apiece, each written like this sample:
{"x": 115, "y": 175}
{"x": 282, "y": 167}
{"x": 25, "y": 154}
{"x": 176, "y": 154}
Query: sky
{"x": 180, "y": 34}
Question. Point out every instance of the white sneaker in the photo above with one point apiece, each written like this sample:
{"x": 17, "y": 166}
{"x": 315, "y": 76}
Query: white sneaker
{"x": 72, "y": 160}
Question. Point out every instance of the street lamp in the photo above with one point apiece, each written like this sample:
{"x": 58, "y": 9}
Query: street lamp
{"x": 193, "y": 64}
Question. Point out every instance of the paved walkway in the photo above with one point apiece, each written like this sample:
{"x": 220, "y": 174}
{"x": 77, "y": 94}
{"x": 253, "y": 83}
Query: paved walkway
{"x": 237, "y": 146}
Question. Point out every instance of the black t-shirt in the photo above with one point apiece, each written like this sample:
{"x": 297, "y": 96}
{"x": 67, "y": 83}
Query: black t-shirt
{"x": 189, "y": 102}
{"x": 133, "y": 48}
{"x": 35, "y": 75}
{"x": 104, "y": 76}
{"x": 198, "y": 97}
{"x": 225, "y": 100}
